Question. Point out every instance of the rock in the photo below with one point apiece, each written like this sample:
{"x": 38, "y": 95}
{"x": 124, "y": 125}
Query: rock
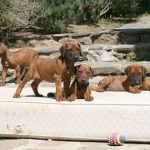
{"x": 50, "y": 43}
{"x": 107, "y": 39}
{"x": 100, "y": 55}
{"x": 61, "y": 41}
{"x": 47, "y": 50}
{"x": 32, "y": 43}
{"x": 129, "y": 39}
{"x": 107, "y": 56}
{"x": 57, "y": 37}
{"x": 44, "y": 43}
{"x": 19, "y": 44}
{"x": 85, "y": 40}
{"x": 145, "y": 38}
{"x": 54, "y": 55}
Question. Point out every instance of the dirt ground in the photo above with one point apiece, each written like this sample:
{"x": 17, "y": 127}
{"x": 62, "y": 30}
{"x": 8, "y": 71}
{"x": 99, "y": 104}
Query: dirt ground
{"x": 102, "y": 25}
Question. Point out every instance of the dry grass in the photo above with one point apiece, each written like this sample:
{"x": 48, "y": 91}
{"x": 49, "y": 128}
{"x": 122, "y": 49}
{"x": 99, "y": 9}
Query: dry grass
{"x": 102, "y": 25}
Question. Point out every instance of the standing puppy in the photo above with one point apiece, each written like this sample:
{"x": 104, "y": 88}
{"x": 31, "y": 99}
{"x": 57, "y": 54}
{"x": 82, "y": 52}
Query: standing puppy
{"x": 15, "y": 60}
{"x": 134, "y": 81}
{"x": 56, "y": 70}
{"x": 80, "y": 86}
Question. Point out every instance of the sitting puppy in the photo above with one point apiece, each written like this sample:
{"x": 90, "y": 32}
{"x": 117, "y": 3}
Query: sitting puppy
{"x": 15, "y": 60}
{"x": 133, "y": 82}
{"x": 80, "y": 86}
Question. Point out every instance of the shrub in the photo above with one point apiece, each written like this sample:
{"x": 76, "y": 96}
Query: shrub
{"x": 54, "y": 15}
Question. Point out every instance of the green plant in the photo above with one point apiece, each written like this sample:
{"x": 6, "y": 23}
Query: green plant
{"x": 132, "y": 56}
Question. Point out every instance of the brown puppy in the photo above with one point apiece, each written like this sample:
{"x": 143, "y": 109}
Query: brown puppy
{"x": 133, "y": 82}
{"x": 80, "y": 86}
{"x": 15, "y": 60}
{"x": 56, "y": 70}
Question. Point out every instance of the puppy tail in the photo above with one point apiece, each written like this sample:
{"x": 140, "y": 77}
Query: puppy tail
{"x": 94, "y": 88}
{"x": 97, "y": 89}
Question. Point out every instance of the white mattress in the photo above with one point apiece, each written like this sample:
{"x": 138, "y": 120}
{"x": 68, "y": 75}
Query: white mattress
{"x": 109, "y": 112}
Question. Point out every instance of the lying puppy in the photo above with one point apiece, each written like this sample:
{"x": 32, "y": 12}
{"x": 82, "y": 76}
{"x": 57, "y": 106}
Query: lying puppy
{"x": 133, "y": 82}
{"x": 80, "y": 86}
{"x": 56, "y": 70}
{"x": 15, "y": 60}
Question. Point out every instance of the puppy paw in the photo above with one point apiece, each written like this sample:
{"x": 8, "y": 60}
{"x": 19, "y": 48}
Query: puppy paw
{"x": 100, "y": 90}
{"x": 16, "y": 96}
{"x": 88, "y": 98}
{"x": 134, "y": 90}
{"x": 59, "y": 98}
{"x": 2, "y": 84}
{"x": 72, "y": 97}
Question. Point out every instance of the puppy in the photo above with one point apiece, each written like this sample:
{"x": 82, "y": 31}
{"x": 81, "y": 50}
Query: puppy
{"x": 80, "y": 86}
{"x": 134, "y": 81}
{"x": 57, "y": 70}
{"x": 15, "y": 60}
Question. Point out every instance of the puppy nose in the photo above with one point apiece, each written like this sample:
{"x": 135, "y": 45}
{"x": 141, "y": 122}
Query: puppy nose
{"x": 75, "y": 57}
{"x": 83, "y": 80}
{"x": 137, "y": 82}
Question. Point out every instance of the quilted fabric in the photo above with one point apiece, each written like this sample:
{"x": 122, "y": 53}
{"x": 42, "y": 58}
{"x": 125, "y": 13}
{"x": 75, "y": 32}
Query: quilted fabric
{"x": 120, "y": 112}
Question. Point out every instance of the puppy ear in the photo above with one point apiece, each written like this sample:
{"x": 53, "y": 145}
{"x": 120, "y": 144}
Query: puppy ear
{"x": 144, "y": 71}
{"x": 92, "y": 72}
{"x": 3, "y": 47}
{"x": 128, "y": 71}
{"x": 62, "y": 49}
{"x": 80, "y": 49}
{"x": 76, "y": 70}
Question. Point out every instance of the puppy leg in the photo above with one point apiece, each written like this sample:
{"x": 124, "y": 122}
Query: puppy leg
{"x": 87, "y": 95}
{"x": 17, "y": 74}
{"x": 146, "y": 85}
{"x": 34, "y": 86}
{"x": 4, "y": 73}
{"x": 134, "y": 90}
{"x": 73, "y": 95}
{"x": 58, "y": 95}
{"x": 66, "y": 83}
{"x": 27, "y": 78}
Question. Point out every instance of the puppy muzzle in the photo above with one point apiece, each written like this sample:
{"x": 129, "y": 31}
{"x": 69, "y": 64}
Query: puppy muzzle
{"x": 137, "y": 83}
{"x": 74, "y": 58}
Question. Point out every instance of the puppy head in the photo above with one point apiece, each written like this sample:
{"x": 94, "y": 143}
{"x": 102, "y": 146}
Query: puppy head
{"x": 84, "y": 73}
{"x": 136, "y": 74}
{"x": 71, "y": 50}
{"x": 3, "y": 48}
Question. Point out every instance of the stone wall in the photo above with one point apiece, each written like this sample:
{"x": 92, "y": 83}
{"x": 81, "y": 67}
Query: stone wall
{"x": 104, "y": 49}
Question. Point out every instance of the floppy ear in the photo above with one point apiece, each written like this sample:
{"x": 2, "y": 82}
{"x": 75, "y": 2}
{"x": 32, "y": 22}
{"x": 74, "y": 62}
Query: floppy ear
{"x": 144, "y": 71}
{"x": 76, "y": 69}
{"x": 128, "y": 71}
{"x": 3, "y": 47}
{"x": 62, "y": 49}
{"x": 92, "y": 72}
{"x": 80, "y": 50}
